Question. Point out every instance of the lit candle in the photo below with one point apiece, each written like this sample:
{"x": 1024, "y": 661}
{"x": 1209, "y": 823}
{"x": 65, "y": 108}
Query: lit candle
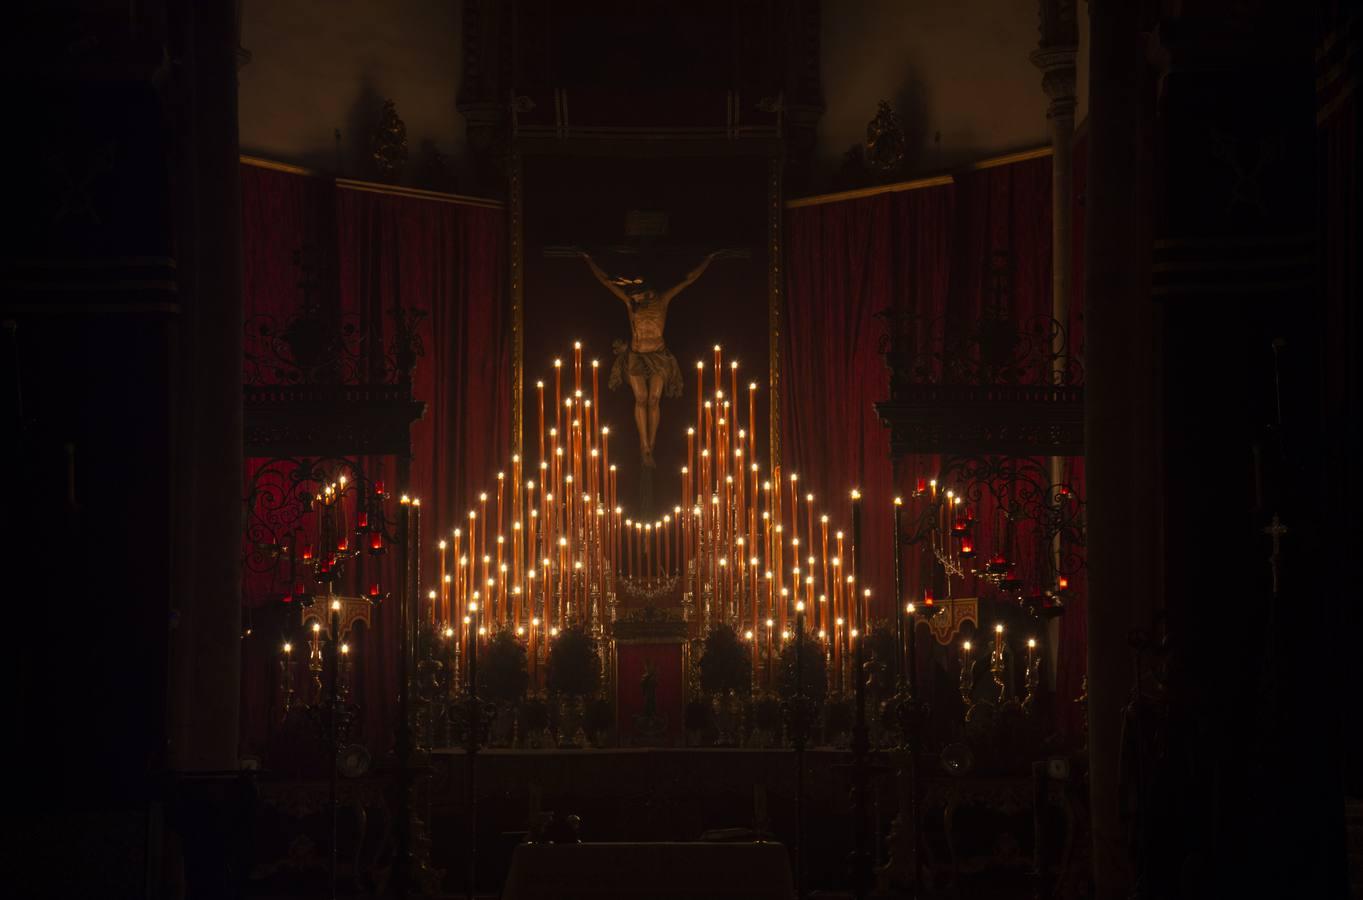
{"x": 752, "y": 414}
{"x": 856, "y": 545}
{"x": 596, "y": 411}
{"x": 436, "y": 612}
{"x": 482, "y": 514}
{"x": 895, "y": 540}
{"x": 539, "y": 389}
{"x": 558, "y": 397}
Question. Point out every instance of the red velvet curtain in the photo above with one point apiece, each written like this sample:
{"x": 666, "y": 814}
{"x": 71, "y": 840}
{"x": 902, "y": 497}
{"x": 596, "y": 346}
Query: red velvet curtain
{"x": 364, "y": 255}
{"x": 846, "y": 263}
{"x": 945, "y": 253}
{"x": 447, "y": 261}
{"x": 940, "y": 252}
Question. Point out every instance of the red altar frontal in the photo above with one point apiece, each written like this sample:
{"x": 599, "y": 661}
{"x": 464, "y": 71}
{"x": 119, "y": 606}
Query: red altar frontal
{"x": 650, "y": 662}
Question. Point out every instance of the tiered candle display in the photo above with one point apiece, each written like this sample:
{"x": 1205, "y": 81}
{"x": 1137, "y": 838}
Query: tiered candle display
{"x": 741, "y": 546}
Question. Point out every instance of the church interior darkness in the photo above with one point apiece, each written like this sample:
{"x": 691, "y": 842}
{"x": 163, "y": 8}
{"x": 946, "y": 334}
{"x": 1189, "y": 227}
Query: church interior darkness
{"x": 684, "y": 448}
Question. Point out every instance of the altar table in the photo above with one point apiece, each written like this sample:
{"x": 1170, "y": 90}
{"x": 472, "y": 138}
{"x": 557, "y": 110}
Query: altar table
{"x": 582, "y": 871}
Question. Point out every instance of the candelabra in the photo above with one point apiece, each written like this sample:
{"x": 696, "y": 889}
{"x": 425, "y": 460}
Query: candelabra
{"x": 798, "y": 710}
{"x": 286, "y": 677}
{"x": 967, "y": 679}
{"x": 905, "y": 865}
{"x": 1032, "y": 519}
{"x": 998, "y": 666}
{"x": 1032, "y": 677}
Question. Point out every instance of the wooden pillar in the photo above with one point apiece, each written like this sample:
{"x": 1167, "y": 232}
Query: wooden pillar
{"x": 206, "y": 645}
{"x": 1055, "y": 57}
{"x": 1238, "y": 327}
{"x": 1118, "y": 416}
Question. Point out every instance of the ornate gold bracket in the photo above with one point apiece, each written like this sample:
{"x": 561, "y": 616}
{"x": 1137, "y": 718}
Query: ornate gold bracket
{"x": 955, "y": 613}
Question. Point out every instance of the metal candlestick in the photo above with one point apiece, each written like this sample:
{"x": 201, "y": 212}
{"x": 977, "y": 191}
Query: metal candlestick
{"x": 1032, "y": 679}
{"x": 967, "y": 680}
{"x": 998, "y": 668}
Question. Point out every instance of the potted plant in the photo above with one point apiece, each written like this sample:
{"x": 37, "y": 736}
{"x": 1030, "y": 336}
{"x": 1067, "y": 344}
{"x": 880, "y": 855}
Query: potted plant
{"x": 838, "y": 721}
{"x": 698, "y": 715}
{"x": 502, "y": 679}
{"x": 813, "y": 670}
{"x": 535, "y": 722}
{"x": 598, "y": 719}
{"x": 725, "y": 672}
{"x": 574, "y": 672}
{"x": 766, "y": 722}
{"x": 812, "y": 681}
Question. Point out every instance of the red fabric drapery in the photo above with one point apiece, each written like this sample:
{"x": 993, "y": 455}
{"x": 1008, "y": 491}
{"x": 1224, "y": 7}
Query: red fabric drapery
{"x": 938, "y": 252}
{"x": 365, "y": 255}
{"x": 848, "y": 262}
{"x": 446, "y": 260}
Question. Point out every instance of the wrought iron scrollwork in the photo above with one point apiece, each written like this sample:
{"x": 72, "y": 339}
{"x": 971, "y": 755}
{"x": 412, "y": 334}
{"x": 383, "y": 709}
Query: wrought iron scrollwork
{"x": 280, "y": 499}
{"x": 319, "y": 345}
{"x": 309, "y": 348}
{"x": 1036, "y": 522}
{"x": 999, "y": 382}
{"x": 995, "y": 349}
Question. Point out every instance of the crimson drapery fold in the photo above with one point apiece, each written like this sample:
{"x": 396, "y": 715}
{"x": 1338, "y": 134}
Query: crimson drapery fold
{"x": 365, "y": 258}
{"x": 944, "y": 252}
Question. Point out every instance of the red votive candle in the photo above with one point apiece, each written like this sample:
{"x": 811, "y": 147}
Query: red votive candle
{"x": 376, "y": 541}
{"x": 378, "y": 487}
{"x": 362, "y": 521}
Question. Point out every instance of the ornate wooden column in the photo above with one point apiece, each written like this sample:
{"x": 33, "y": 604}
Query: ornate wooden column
{"x": 1238, "y": 336}
{"x": 119, "y": 290}
{"x": 206, "y": 644}
{"x": 1119, "y": 420}
{"x": 1055, "y": 56}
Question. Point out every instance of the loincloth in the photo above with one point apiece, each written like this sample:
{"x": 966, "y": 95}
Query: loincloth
{"x": 648, "y": 365}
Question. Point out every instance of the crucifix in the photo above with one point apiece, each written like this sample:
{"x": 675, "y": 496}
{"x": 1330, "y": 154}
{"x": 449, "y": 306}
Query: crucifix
{"x": 645, "y": 362}
{"x": 642, "y": 275}
{"x": 1275, "y": 529}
